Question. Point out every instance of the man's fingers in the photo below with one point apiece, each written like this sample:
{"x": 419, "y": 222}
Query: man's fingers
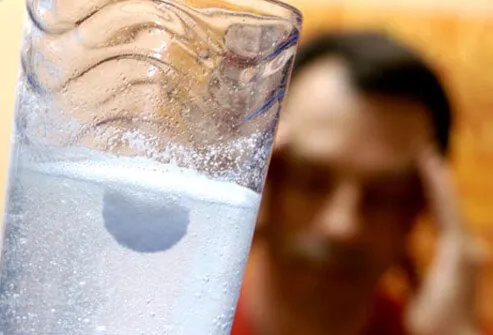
{"x": 445, "y": 300}
{"x": 439, "y": 191}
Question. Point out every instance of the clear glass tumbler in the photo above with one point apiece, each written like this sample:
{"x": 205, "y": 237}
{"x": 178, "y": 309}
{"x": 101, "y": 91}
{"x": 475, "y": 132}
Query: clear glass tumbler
{"x": 142, "y": 137}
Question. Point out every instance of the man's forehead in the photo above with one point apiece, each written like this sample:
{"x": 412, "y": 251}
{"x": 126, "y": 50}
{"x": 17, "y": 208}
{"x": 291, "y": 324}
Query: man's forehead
{"x": 318, "y": 84}
{"x": 323, "y": 91}
{"x": 331, "y": 122}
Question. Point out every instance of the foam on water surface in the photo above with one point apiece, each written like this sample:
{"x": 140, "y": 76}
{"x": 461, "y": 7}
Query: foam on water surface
{"x": 155, "y": 177}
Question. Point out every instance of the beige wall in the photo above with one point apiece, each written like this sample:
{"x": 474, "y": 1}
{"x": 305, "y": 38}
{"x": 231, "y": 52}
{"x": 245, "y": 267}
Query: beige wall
{"x": 11, "y": 14}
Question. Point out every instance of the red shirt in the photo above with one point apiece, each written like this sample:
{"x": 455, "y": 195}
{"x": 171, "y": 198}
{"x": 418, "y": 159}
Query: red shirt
{"x": 386, "y": 319}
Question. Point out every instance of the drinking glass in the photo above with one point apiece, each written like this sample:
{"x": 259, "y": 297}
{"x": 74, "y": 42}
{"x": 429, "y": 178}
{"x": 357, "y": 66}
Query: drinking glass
{"x": 143, "y": 131}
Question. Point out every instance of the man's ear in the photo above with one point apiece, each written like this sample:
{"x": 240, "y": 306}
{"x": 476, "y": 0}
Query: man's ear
{"x": 410, "y": 272}
{"x": 263, "y": 216}
{"x": 282, "y": 134}
{"x": 274, "y": 176}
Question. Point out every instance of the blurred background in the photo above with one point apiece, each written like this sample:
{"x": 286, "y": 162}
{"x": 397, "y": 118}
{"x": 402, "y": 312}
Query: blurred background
{"x": 455, "y": 35}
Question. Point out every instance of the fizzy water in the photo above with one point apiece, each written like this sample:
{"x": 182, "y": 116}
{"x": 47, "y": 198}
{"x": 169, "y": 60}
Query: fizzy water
{"x": 122, "y": 246}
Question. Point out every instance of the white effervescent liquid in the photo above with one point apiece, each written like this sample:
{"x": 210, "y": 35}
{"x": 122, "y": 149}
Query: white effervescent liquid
{"x": 122, "y": 246}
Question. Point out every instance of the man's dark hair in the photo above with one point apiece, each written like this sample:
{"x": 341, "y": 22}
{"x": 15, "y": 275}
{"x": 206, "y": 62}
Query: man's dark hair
{"x": 380, "y": 65}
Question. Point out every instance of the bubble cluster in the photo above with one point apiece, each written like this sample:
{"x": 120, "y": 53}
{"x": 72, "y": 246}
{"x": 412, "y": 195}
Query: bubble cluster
{"x": 157, "y": 79}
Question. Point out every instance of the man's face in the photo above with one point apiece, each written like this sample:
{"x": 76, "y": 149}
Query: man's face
{"x": 344, "y": 191}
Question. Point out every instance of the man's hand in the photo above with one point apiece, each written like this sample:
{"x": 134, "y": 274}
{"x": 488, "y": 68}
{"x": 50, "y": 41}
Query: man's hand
{"x": 444, "y": 304}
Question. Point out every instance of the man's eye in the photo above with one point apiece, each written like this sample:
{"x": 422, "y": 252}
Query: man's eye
{"x": 388, "y": 198}
{"x": 314, "y": 185}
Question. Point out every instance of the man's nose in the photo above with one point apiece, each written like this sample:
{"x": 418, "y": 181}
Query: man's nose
{"x": 340, "y": 216}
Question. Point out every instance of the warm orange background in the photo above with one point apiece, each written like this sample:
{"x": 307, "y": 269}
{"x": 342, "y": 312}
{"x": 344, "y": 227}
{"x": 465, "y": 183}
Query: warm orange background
{"x": 457, "y": 35}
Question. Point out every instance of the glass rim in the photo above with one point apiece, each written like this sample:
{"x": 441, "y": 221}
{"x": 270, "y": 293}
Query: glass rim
{"x": 275, "y": 5}
{"x": 285, "y": 5}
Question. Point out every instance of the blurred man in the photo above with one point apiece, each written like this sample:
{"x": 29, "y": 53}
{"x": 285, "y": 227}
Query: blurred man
{"x": 360, "y": 154}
